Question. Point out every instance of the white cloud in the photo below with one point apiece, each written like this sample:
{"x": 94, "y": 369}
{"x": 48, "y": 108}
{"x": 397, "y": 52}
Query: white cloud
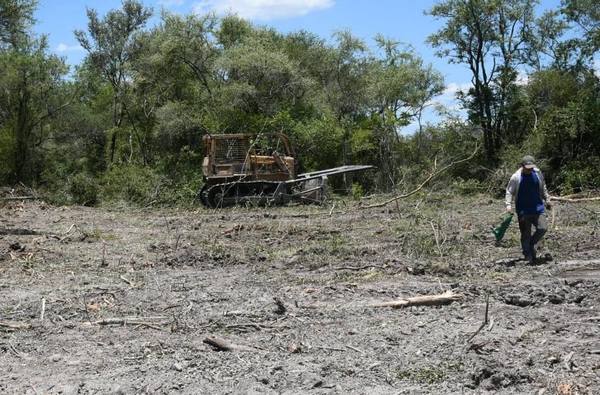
{"x": 453, "y": 88}
{"x": 448, "y": 97}
{"x": 597, "y": 66}
{"x": 62, "y": 47}
{"x": 171, "y": 3}
{"x": 263, "y": 9}
{"x": 522, "y": 78}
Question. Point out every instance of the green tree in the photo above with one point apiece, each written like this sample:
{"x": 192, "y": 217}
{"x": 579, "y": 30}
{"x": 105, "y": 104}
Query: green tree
{"x": 345, "y": 87}
{"x": 400, "y": 88}
{"x": 16, "y": 18}
{"x": 492, "y": 38}
{"x": 111, "y": 45}
{"x": 546, "y": 43}
{"x": 261, "y": 79}
{"x": 188, "y": 42}
{"x": 233, "y": 30}
{"x": 30, "y": 92}
{"x": 567, "y": 104}
{"x": 586, "y": 14}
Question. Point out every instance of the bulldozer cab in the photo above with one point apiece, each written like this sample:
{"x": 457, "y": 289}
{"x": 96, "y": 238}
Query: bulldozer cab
{"x": 247, "y": 156}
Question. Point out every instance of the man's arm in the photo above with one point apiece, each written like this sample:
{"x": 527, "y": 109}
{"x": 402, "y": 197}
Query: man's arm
{"x": 545, "y": 193}
{"x": 510, "y": 193}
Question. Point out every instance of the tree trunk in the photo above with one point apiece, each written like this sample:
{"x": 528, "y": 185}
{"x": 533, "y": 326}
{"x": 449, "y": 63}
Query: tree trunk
{"x": 22, "y": 132}
{"x": 113, "y": 144}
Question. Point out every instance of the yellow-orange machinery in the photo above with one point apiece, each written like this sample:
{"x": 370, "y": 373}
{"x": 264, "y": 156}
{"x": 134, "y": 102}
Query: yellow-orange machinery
{"x": 259, "y": 169}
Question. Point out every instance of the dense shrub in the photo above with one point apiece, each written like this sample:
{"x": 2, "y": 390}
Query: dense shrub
{"x": 84, "y": 189}
{"x": 142, "y": 186}
{"x": 131, "y": 184}
{"x": 469, "y": 186}
{"x": 579, "y": 176}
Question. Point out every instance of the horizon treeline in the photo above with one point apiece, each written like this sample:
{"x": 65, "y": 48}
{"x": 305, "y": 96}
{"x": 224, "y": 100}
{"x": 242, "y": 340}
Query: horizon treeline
{"x": 127, "y": 123}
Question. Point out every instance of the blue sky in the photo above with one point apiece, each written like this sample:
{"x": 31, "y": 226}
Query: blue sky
{"x": 402, "y": 20}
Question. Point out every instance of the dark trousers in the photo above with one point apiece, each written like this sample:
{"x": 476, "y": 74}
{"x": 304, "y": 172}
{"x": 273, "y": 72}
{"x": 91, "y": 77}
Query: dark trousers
{"x": 528, "y": 241}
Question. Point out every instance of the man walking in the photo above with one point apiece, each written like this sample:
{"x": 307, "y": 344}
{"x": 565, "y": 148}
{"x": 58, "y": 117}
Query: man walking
{"x": 528, "y": 189}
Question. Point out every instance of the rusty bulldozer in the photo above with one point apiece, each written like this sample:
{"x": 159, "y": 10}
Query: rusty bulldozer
{"x": 259, "y": 170}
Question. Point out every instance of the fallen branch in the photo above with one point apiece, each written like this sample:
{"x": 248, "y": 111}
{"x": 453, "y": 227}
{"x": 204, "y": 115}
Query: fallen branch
{"x": 18, "y": 232}
{"x": 14, "y": 326}
{"x": 434, "y": 173}
{"x": 149, "y": 325}
{"x": 223, "y": 345}
{"x": 590, "y": 319}
{"x": 43, "y": 311}
{"x": 330, "y": 348}
{"x": 258, "y": 327}
{"x": 436, "y": 237}
{"x": 574, "y": 200}
{"x": 19, "y": 198}
{"x": 580, "y": 195}
{"x": 426, "y": 300}
{"x": 358, "y": 268}
{"x": 14, "y": 350}
{"x": 355, "y": 349}
{"x": 70, "y": 228}
{"x": 332, "y": 208}
{"x": 128, "y": 281}
{"x": 133, "y": 321}
{"x": 233, "y": 229}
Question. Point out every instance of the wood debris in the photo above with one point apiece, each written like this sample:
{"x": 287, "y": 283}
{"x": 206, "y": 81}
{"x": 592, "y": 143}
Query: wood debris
{"x": 220, "y": 344}
{"x": 14, "y": 326}
{"x": 425, "y": 300}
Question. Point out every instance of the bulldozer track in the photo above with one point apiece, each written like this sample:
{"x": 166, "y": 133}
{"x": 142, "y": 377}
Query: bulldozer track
{"x": 237, "y": 192}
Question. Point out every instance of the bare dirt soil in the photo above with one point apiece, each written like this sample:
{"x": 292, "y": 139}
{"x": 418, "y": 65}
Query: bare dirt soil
{"x": 122, "y": 300}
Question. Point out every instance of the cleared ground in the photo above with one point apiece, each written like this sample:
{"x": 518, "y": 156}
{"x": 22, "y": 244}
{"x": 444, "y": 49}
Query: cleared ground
{"x": 121, "y": 300}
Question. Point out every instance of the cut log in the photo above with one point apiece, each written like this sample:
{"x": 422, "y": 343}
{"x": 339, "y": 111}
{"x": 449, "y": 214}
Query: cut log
{"x": 223, "y": 345}
{"x": 14, "y": 326}
{"x": 425, "y": 300}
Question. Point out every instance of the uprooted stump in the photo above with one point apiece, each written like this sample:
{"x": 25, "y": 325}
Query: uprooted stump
{"x": 426, "y": 300}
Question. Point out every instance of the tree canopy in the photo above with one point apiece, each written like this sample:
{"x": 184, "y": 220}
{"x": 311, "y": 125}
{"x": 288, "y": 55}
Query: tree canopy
{"x": 127, "y": 123}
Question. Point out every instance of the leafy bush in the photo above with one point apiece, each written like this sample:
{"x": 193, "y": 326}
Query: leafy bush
{"x": 183, "y": 191}
{"x": 6, "y": 155}
{"x": 131, "y": 184}
{"x": 469, "y": 186}
{"x": 579, "y": 175}
{"x": 357, "y": 191}
{"x": 84, "y": 189}
{"x": 139, "y": 185}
